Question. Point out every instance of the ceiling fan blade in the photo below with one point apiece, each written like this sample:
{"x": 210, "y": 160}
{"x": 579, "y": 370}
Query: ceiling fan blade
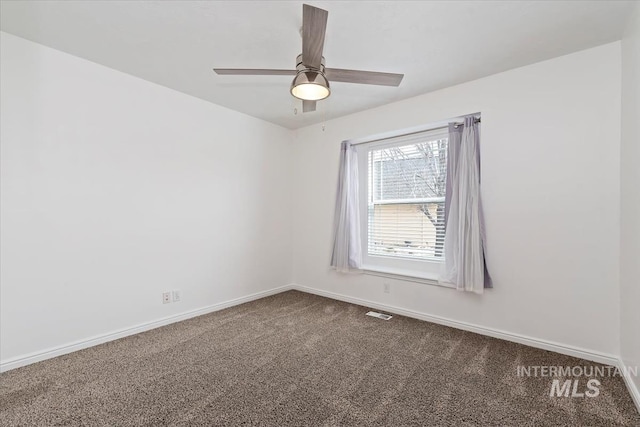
{"x": 308, "y": 106}
{"x": 253, "y": 72}
{"x": 314, "y": 27}
{"x": 363, "y": 77}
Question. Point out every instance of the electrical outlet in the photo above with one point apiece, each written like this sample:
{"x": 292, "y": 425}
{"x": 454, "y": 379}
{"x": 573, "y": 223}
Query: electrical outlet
{"x": 166, "y": 297}
{"x": 177, "y": 295}
{"x": 386, "y": 287}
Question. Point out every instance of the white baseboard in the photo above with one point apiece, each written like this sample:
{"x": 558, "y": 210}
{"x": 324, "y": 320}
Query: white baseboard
{"x": 631, "y": 385}
{"x": 28, "y": 359}
{"x": 607, "y": 359}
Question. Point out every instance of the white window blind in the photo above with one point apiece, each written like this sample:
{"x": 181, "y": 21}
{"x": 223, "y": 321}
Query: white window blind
{"x": 406, "y": 193}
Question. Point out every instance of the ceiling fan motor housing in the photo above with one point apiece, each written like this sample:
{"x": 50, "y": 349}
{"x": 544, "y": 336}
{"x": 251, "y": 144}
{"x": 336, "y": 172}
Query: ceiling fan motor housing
{"x": 301, "y": 67}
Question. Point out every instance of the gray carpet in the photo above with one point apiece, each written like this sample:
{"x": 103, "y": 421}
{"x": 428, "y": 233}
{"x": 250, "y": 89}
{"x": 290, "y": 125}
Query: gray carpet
{"x": 299, "y": 359}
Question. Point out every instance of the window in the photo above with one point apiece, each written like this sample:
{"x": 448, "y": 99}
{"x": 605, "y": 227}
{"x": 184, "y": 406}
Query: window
{"x": 402, "y": 192}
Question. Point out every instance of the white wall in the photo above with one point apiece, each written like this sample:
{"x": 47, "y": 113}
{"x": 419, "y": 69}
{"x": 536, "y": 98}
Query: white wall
{"x": 115, "y": 189}
{"x": 630, "y": 194}
{"x": 550, "y": 177}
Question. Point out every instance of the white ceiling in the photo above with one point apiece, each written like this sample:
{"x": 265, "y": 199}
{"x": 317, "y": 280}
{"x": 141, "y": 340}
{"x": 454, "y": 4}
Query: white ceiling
{"x": 435, "y": 44}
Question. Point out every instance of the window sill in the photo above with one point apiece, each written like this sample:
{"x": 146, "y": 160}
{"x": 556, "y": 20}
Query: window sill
{"x": 405, "y": 275}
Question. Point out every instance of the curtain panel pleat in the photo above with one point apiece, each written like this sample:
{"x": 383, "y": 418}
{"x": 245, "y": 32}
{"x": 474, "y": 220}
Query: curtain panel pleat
{"x": 347, "y": 246}
{"x": 465, "y": 243}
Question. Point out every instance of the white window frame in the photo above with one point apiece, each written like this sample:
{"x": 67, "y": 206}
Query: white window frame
{"x": 411, "y": 269}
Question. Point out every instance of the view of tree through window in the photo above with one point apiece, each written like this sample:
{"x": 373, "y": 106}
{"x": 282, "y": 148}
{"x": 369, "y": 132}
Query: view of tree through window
{"x": 407, "y": 185}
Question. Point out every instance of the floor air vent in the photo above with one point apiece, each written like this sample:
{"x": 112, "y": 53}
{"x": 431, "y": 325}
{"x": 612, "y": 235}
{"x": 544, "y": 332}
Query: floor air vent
{"x": 379, "y": 315}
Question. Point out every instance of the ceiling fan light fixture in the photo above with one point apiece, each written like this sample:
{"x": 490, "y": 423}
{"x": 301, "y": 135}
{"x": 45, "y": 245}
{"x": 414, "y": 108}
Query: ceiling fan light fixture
{"x": 310, "y": 85}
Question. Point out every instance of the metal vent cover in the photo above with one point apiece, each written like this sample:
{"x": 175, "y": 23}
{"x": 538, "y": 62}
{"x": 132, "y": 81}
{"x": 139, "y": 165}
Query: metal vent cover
{"x": 379, "y": 315}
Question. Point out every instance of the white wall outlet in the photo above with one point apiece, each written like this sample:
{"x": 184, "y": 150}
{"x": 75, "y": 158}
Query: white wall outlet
{"x": 166, "y": 297}
{"x": 177, "y": 295}
{"x": 386, "y": 287}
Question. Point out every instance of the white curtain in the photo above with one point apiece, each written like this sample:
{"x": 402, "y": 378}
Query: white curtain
{"x": 464, "y": 263}
{"x": 347, "y": 248}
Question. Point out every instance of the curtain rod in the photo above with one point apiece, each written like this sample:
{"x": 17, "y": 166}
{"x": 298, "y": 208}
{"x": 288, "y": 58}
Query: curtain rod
{"x": 455, "y": 125}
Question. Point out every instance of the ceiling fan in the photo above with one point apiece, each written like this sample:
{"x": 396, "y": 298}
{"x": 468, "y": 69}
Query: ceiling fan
{"x": 311, "y": 82}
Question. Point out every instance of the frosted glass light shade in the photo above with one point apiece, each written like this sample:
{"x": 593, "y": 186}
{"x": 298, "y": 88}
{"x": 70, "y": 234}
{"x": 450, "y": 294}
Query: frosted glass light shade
{"x": 310, "y": 86}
